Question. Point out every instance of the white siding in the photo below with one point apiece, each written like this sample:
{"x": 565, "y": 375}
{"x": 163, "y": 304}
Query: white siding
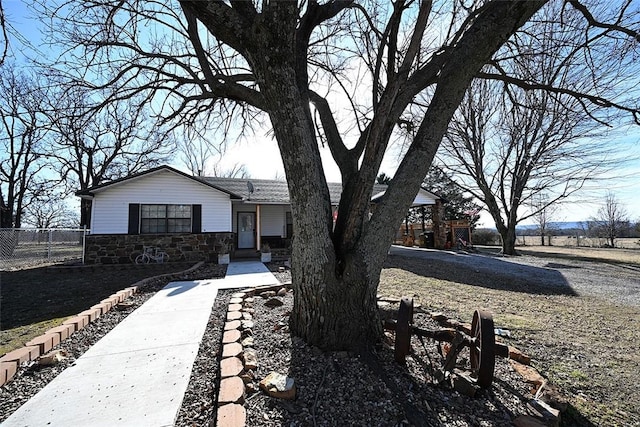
{"x": 110, "y": 211}
{"x": 423, "y": 198}
{"x": 273, "y": 220}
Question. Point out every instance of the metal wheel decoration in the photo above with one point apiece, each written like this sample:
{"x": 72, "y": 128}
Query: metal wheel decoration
{"x": 403, "y": 329}
{"x": 482, "y": 351}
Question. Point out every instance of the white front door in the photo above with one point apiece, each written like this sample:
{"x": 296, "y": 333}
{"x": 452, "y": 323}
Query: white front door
{"x": 246, "y": 230}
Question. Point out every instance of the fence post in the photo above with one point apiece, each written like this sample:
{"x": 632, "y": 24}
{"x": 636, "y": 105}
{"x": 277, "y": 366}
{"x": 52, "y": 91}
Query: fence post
{"x": 49, "y": 243}
{"x": 84, "y": 241}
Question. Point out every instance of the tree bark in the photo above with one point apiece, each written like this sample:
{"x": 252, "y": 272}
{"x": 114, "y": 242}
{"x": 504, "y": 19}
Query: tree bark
{"x": 335, "y": 296}
{"x": 509, "y": 240}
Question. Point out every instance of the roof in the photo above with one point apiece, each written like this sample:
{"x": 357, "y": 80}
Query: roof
{"x": 416, "y": 202}
{"x": 89, "y": 192}
{"x": 264, "y": 191}
{"x": 269, "y": 191}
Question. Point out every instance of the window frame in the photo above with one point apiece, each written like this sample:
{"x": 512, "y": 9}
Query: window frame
{"x": 164, "y": 223}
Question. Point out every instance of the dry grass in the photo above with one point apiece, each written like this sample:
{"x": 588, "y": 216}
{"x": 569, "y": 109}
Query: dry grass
{"x": 589, "y": 254}
{"x": 585, "y": 345}
{"x": 37, "y": 299}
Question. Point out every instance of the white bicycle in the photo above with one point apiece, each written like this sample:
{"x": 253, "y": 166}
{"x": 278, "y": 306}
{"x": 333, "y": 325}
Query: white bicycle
{"x": 152, "y": 254}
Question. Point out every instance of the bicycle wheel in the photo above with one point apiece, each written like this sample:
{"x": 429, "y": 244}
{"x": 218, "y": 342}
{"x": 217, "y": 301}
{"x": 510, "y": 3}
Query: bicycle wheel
{"x": 140, "y": 259}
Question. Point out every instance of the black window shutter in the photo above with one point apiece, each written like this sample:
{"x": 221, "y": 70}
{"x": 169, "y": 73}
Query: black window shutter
{"x": 196, "y": 218}
{"x": 134, "y": 218}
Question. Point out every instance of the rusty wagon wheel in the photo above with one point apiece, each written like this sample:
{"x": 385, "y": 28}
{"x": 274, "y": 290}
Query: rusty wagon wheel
{"x": 403, "y": 329}
{"x": 483, "y": 356}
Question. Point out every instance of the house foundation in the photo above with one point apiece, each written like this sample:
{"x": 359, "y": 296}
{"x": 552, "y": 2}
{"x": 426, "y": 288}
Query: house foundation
{"x": 124, "y": 248}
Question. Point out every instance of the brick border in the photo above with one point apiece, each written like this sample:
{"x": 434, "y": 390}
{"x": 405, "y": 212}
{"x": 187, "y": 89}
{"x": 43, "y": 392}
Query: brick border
{"x": 238, "y": 361}
{"x": 11, "y": 362}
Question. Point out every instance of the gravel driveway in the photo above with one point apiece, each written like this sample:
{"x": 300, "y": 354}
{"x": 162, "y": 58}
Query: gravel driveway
{"x": 619, "y": 283}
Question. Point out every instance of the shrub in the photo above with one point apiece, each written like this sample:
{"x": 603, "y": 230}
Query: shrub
{"x": 485, "y": 236}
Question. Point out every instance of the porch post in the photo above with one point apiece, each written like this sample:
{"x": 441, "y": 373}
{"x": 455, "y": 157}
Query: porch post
{"x": 439, "y": 237}
{"x": 258, "y": 228}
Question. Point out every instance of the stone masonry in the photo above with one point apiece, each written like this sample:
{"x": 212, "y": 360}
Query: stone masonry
{"x": 123, "y": 248}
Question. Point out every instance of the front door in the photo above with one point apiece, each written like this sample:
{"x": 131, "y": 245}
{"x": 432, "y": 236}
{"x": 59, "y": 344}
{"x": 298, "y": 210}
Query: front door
{"x": 246, "y": 230}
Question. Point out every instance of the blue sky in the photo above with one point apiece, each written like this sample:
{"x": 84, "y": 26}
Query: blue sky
{"x": 262, "y": 160}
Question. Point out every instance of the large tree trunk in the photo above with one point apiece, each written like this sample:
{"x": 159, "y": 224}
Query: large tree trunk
{"x": 336, "y": 312}
{"x": 335, "y": 295}
{"x": 509, "y": 240}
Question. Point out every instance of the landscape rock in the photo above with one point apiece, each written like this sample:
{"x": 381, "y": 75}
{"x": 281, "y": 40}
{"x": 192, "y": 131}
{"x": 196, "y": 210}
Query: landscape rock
{"x": 551, "y": 395}
{"x": 124, "y": 305}
{"x": 268, "y": 294}
{"x": 229, "y": 367}
{"x": 282, "y": 292}
{"x": 463, "y": 384}
{"x": 528, "y": 373}
{"x": 540, "y": 409}
{"x": 251, "y": 388}
{"x": 231, "y": 391}
{"x": 250, "y": 357}
{"x": 528, "y": 421}
{"x": 234, "y": 324}
{"x": 232, "y": 415}
{"x": 274, "y": 302}
{"x": 248, "y": 376}
{"x": 246, "y": 324}
{"x": 247, "y": 342}
{"x": 279, "y": 386}
{"x": 52, "y": 358}
{"x": 519, "y": 356}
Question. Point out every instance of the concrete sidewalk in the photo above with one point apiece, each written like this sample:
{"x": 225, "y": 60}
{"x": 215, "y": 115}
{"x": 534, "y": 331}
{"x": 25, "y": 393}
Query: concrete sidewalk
{"x": 137, "y": 374}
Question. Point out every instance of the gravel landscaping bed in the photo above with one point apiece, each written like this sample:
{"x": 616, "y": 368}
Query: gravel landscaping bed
{"x": 342, "y": 388}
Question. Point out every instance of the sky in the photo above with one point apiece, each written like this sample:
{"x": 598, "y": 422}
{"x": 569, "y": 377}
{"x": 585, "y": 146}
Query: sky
{"x": 259, "y": 153}
{"x": 261, "y": 156}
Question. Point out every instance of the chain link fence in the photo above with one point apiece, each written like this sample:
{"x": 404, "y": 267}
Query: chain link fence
{"x": 24, "y": 247}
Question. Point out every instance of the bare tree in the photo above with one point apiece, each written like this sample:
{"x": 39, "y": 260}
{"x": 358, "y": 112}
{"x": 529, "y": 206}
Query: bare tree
{"x": 91, "y": 145}
{"x": 513, "y": 139}
{"x": 4, "y": 42}
{"x": 51, "y": 212}
{"x": 202, "y": 156}
{"x": 612, "y": 220}
{"x": 291, "y": 61}
{"x": 545, "y": 213}
{"x": 21, "y": 137}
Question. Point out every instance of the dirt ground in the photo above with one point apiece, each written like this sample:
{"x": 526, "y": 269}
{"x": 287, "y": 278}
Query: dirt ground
{"x": 578, "y": 318}
{"x": 586, "y": 254}
{"x": 36, "y": 299}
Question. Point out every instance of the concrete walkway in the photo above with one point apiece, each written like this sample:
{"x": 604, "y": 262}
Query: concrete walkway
{"x": 137, "y": 374}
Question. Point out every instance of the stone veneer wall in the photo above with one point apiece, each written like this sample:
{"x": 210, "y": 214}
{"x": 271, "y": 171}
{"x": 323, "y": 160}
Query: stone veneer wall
{"x": 123, "y": 248}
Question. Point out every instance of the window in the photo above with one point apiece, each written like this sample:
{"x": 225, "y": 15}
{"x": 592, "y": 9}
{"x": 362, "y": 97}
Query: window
{"x": 165, "y": 219}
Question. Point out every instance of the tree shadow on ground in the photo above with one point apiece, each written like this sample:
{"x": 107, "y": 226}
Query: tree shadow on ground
{"x": 479, "y": 270}
{"x": 44, "y": 293}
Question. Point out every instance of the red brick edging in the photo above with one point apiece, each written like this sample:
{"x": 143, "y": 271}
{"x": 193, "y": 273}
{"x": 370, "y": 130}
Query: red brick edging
{"x": 237, "y": 362}
{"x": 39, "y": 346}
